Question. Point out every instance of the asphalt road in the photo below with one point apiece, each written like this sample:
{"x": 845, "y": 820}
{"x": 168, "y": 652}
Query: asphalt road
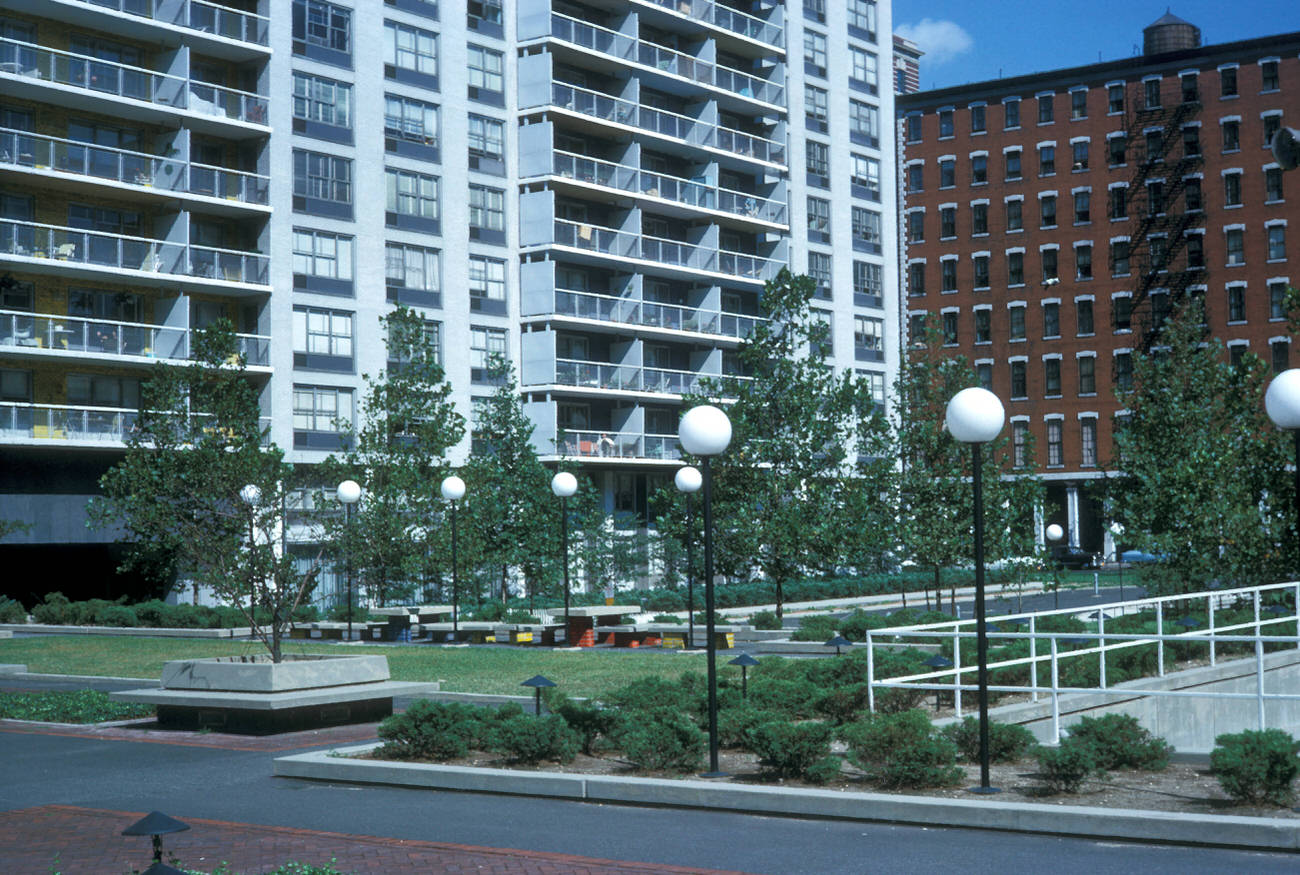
{"x": 237, "y": 786}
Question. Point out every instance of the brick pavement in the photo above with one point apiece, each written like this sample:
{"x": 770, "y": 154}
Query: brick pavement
{"x": 69, "y": 840}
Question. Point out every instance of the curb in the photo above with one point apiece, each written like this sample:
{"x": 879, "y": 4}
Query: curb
{"x": 1233, "y": 831}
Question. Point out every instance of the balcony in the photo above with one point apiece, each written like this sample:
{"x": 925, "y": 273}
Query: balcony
{"x": 670, "y": 317}
{"x": 728, "y": 19}
{"x": 618, "y": 445}
{"x": 196, "y": 15}
{"x": 629, "y": 378}
{"x": 674, "y": 253}
{"x": 692, "y": 193}
{"x": 71, "y": 425}
{"x": 146, "y": 173}
{"x": 38, "y": 65}
{"x": 733, "y": 143}
{"x": 59, "y": 249}
{"x": 665, "y": 60}
{"x": 39, "y": 334}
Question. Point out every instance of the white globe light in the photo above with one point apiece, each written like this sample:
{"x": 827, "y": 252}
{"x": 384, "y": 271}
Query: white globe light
{"x": 453, "y": 488}
{"x": 251, "y": 495}
{"x": 564, "y": 484}
{"x": 1055, "y": 532}
{"x": 975, "y": 416}
{"x": 688, "y": 479}
{"x": 1282, "y": 400}
{"x": 1116, "y": 528}
{"x": 349, "y": 492}
{"x": 704, "y": 431}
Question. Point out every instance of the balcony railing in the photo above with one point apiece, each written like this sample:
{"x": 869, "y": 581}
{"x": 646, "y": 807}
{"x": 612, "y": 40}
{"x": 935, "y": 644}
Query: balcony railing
{"x": 119, "y": 251}
{"x": 624, "y": 244}
{"x": 672, "y": 382}
{"x": 247, "y": 27}
{"x": 683, "y": 191}
{"x": 607, "y": 308}
{"x": 726, "y": 18}
{"x": 66, "y": 422}
{"x": 627, "y": 48}
{"x": 81, "y": 334}
{"x": 24, "y": 149}
{"x": 594, "y": 375}
{"x": 618, "y": 445}
{"x": 599, "y": 105}
{"x": 31, "y": 61}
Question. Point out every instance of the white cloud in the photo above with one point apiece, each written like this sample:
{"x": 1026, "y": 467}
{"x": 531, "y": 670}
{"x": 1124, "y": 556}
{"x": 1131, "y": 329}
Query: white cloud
{"x": 941, "y": 40}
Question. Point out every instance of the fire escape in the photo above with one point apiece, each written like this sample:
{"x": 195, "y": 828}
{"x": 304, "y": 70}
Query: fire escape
{"x": 1162, "y": 205}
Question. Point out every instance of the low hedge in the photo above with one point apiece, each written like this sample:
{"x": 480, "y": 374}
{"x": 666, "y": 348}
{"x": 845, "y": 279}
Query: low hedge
{"x": 58, "y": 610}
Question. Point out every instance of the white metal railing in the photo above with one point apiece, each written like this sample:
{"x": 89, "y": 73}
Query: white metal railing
{"x": 670, "y": 381}
{"x": 617, "y": 445}
{"x": 726, "y": 18}
{"x": 247, "y": 27}
{"x": 40, "y": 152}
{"x": 42, "y": 331}
{"x": 597, "y": 375}
{"x": 31, "y": 61}
{"x": 666, "y": 60}
{"x": 70, "y": 422}
{"x": 625, "y": 244}
{"x": 120, "y": 251}
{"x": 1051, "y": 649}
{"x": 677, "y": 317}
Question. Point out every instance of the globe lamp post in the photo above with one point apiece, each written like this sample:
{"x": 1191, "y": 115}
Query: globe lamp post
{"x": 1282, "y": 401}
{"x": 688, "y": 481}
{"x": 453, "y": 490}
{"x": 1054, "y": 534}
{"x": 348, "y": 494}
{"x": 564, "y": 485}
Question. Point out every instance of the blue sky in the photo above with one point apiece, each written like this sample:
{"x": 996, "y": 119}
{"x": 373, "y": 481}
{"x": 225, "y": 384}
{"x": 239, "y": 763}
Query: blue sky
{"x": 968, "y": 41}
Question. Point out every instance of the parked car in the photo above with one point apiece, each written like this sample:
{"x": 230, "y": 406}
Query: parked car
{"x": 1074, "y": 558}
{"x": 1138, "y": 557}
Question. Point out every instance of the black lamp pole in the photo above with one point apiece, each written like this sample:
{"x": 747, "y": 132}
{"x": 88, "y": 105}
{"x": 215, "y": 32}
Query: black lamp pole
{"x": 711, "y": 643}
{"x": 564, "y": 553}
{"x": 982, "y": 643}
{"x": 690, "y": 573}
{"x": 347, "y": 521}
{"x": 455, "y": 580}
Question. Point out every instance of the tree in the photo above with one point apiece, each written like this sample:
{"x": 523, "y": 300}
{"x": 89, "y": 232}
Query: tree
{"x": 1205, "y": 486}
{"x": 398, "y": 454}
{"x": 933, "y": 490}
{"x": 196, "y": 444}
{"x": 794, "y": 423}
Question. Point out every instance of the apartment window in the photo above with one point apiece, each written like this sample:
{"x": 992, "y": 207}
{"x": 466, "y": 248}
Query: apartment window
{"x": 1047, "y": 211}
{"x": 1078, "y": 104}
{"x": 1232, "y": 189}
{"x": 1083, "y": 314}
{"x": 411, "y": 50}
{"x": 825, "y": 344}
{"x": 485, "y": 344}
{"x": 1116, "y": 149}
{"x": 868, "y": 282}
{"x": 1083, "y": 262}
{"x": 817, "y": 161}
{"x": 815, "y": 10}
{"x": 413, "y": 274}
{"x": 1011, "y": 113}
{"x": 948, "y": 275}
{"x": 486, "y": 74}
{"x": 984, "y": 375}
{"x": 1268, "y": 72}
{"x": 487, "y": 213}
{"x": 1082, "y": 207}
{"x": 862, "y": 70}
{"x": 868, "y": 338}
{"x": 949, "y": 323}
{"x": 1192, "y": 194}
{"x": 866, "y": 230}
{"x": 1019, "y": 443}
{"x": 487, "y": 141}
{"x": 1236, "y": 246}
{"x": 1236, "y": 303}
{"x": 1155, "y": 146}
{"x": 1158, "y": 245}
{"x": 947, "y": 173}
{"x": 819, "y": 268}
{"x": 1055, "y": 455}
{"x": 1118, "y": 206}
{"x": 815, "y": 101}
{"x": 978, "y": 124}
{"x": 1151, "y": 93}
{"x": 322, "y": 339}
{"x": 1087, "y": 375}
{"x": 1051, "y": 320}
{"x": 979, "y": 169}
{"x": 1015, "y": 217}
{"x": 1231, "y": 136}
{"x": 321, "y": 100}
{"x": 1050, "y": 271}
{"x": 1159, "y": 308}
{"x": 1272, "y": 124}
{"x": 1280, "y": 352}
{"x": 323, "y": 411}
{"x": 1115, "y": 98}
{"x": 947, "y": 223}
{"x": 1012, "y": 158}
{"x": 1122, "y": 312}
{"x": 814, "y": 53}
{"x": 819, "y": 219}
{"x": 1015, "y": 268}
{"x": 1191, "y": 141}
{"x": 432, "y": 338}
{"x": 487, "y": 285}
{"x": 1019, "y": 385}
{"x": 1237, "y": 353}
{"x": 864, "y": 123}
{"x": 484, "y": 16}
{"x": 322, "y": 262}
{"x": 865, "y": 177}
{"x": 15, "y": 385}
{"x": 979, "y": 219}
{"x": 412, "y": 200}
{"x": 980, "y": 264}
{"x": 916, "y": 279}
{"x": 1277, "y": 300}
{"x": 1155, "y": 197}
{"x": 1079, "y": 152}
{"x": 945, "y": 123}
{"x": 916, "y": 226}
{"x": 916, "y": 327}
{"x": 102, "y": 390}
{"x": 322, "y": 31}
{"x": 914, "y": 129}
{"x": 1228, "y": 82}
{"x": 1195, "y": 251}
{"x": 1046, "y": 160}
{"x": 1046, "y": 108}
{"x": 1276, "y": 242}
{"x": 983, "y": 327}
{"x": 862, "y": 15}
{"x": 1016, "y": 317}
{"x": 411, "y": 121}
{"x": 322, "y": 184}
{"x": 1124, "y": 371}
{"x": 1088, "y": 442}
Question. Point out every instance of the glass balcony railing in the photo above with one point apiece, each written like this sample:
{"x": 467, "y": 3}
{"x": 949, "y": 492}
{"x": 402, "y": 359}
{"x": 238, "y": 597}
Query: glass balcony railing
{"x": 122, "y": 252}
{"x": 607, "y": 308}
{"x": 31, "y": 61}
{"x": 596, "y": 104}
{"x": 67, "y": 422}
{"x": 594, "y": 375}
{"x": 39, "y": 331}
{"x": 623, "y": 244}
{"x": 754, "y": 267}
{"x": 683, "y": 191}
{"x": 726, "y": 18}
{"x": 246, "y": 27}
{"x": 617, "y": 445}
{"x": 25, "y": 149}
{"x": 631, "y": 49}
{"x": 672, "y": 382}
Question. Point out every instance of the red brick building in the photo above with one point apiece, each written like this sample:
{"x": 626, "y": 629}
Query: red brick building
{"x": 1053, "y": 220}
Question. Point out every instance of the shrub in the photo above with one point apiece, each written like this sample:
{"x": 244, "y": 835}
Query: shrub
{"x": 665, "y": 600}
{"x": 1118, "y": 742}
{"x": 533, "y": 739}
{"x": 12, "y": 611}
{"x": 898, "y": 700}
{"x": 1256, "y": 766}
{"x": 841, "y": 704}
{"x": 790, "y": 749}
{"x": 1064, "y": 768}
{"x": 902, "y": 750}
{"x": 587, "y": 719}
{"x": 823, "y": 771}
{"x": 765, "y": 620}
{"x": 736, "y": 725}
{"x": 56, "y": 610}
{"x": 651, "y": 694}
{"x": 816, "y": 627}
{"x": 793, "y": 698}
{"x": 1007, "y": 742}
{"x": 663, "y": 742}
{"x": 519, "y": 615}
{"x": 119, "y": 616}
{"x": 430, "y": 730}
{"x": 669, "y": 618}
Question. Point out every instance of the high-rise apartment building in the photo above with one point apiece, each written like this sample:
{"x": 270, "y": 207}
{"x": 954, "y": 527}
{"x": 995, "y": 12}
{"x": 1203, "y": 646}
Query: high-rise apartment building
{"x": 907, "y": 66}
{"x": 596, "y": 192}
{"x": 1053, "y": 221}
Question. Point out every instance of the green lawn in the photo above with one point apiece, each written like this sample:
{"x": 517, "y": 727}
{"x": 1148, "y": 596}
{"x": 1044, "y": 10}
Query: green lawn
{"x": 467, "y": 669}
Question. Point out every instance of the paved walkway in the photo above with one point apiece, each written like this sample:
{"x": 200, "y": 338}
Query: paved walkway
{"x": 88, "y": 841}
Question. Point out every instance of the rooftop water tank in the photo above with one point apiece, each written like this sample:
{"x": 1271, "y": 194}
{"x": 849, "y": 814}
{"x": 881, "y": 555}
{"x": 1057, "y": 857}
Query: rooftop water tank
{"x": 1169, "y": 34}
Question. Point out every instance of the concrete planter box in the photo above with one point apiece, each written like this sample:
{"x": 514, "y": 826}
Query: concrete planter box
{"x": 257, "y": 674}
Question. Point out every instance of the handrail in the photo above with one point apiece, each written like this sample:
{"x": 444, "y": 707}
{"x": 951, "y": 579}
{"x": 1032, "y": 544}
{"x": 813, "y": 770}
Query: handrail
{"x": 617, "y": 445}
{"x": 627, "y": 311}
{"x": 726, "y": 18}
{"x": 59, "y": 333}
{"x": 200, "y": 15}
{"x": 626, "y": 244}
{"x": 71, "y": 422}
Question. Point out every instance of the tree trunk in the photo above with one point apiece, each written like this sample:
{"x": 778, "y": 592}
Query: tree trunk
{"x": 938, "y": 592}
{"x": 780, "y": 601}
{"x": 505, "y": 594}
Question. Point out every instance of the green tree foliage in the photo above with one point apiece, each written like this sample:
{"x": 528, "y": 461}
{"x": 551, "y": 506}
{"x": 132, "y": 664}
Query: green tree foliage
{"x": 1206, "y": 487}
{"x": 798, "y": 429}
{"x": 197, "y": 441}
{"x": 398, "y": 453}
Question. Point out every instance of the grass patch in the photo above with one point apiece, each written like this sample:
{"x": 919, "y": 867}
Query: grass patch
{"x": 63, "y": 706}
{"x": 472, "y": 669}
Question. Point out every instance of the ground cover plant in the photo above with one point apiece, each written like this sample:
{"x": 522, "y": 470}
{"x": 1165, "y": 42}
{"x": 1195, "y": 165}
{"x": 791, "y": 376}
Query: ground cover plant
{"x": 69, "y": 706}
